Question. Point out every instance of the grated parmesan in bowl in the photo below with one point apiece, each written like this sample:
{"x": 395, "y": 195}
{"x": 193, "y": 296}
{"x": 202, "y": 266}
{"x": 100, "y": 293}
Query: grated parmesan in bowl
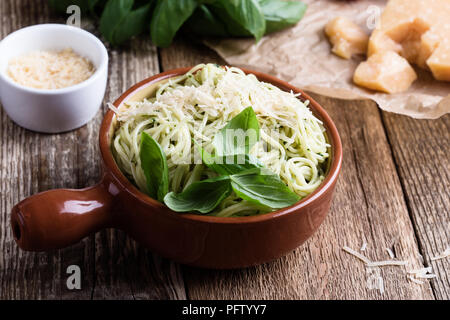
{"x": 52, "y": 77}
{"x": 50, "y": 69}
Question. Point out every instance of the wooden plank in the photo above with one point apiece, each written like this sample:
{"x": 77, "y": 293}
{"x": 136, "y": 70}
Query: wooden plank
{"x": 368, "y": 206}
{"x": 30, "y": 163}
{"x": 124, "y": 269}
{"x": 112, "y": 265}
{"x": 421, "y": 151}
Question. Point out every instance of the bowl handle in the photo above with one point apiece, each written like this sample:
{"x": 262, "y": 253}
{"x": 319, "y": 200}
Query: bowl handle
{"x": 58, "y": 218}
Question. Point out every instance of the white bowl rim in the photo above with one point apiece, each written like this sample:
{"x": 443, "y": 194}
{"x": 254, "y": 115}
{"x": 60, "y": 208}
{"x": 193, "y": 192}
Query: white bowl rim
{"x": 98, "y": 72}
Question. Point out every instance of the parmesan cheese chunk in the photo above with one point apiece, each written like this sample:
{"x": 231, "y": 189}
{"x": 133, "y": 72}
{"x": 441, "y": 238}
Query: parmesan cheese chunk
{"x": 439, "y": 63}
{"x": 417, "y": 30}
{"x": 50, "y": 69}
{"x": 385, "y": 71}
{"x": 347, "y": 38}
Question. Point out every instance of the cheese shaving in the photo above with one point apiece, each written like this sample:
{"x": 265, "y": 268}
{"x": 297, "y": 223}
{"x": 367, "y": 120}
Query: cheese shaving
{"x": 422, "y": 273}
{"x": 375, "y": 281}
{"x": 357, "y": 255}
{"x": 443, "y": 255}
{"x": 415, "y": 280}
{"x": 387, "y": 263}
{"x": 374, "y": 263}
{"x": 391, "y": 254}
{"x": 364, "y": 246}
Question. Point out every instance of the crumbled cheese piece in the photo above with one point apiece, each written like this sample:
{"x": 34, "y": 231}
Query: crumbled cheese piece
{"x": 50, "y": 69}
{"x": 385, "y": 71}
{"x": 364, "y": 246}
{"x": 417, "y": 30}
{"x": 391, "y": 254}
{"x": 347, "y": 38}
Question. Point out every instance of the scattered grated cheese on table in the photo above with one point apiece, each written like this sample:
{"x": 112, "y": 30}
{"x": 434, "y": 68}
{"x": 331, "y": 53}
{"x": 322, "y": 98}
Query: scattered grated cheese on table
{"x": 357, "y": 255}
{"x": 443, "y": 255}
{"x": 364, "y": 246}
{"x": 375, "y": 280}
{"x": 414, "y": 280}
{"x": 387, "y": 263}
{"x": 374, "y": 263}
{"x": 391, "y": 254}
{"x": 423, "y": 273}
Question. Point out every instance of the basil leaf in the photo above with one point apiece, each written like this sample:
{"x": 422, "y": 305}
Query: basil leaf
{"x": 168, "y": 17}
{"x": 263, "y": 187}
{"x": 204, "y": 22}
{"x": 202, "y": 196}
{"x": 241, "y": 17}
{"x": 239, "y": 135}
{"x": 135, "y": 24}
{"x": 281, "y": 14}
{"x": 119, "y": 21}
{"x": 114, "y": 13}
{"x": 154, "y": 165}
{"x": 232, "y": 164}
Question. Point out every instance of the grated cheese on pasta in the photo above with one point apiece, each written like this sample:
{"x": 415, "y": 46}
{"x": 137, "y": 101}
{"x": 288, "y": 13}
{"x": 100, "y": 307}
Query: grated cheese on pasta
{"x": 197, "y": 105}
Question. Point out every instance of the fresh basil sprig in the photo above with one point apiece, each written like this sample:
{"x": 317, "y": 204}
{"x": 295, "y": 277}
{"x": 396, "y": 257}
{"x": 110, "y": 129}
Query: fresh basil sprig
{"x": 202, "y": 196}
{"x": 233, "y": 143}
{"x": 263, "y": 187}
{"x": 231, "y": 164}
{"x": 154, "y": 165}
{"x": 120, "y": 22}
{"x": 281, "y": 14}
{"x": 123, "y": 19}
{"x": 239, "y": 135}
{"x": 242, "y": 17}
{"x": 204, "y": 22}
{"x": 258, "y": 185}
{"x": 168, "y": 17}
{"x": 239, "y": 172}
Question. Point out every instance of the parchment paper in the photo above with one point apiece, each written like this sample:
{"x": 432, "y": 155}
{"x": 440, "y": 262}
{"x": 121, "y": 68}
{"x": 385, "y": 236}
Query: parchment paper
{"x": 302, "y": 56}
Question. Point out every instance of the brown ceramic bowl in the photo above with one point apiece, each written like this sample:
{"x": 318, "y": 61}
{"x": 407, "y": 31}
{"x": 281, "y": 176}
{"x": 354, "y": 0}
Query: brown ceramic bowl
{"x": 58, "y": 218}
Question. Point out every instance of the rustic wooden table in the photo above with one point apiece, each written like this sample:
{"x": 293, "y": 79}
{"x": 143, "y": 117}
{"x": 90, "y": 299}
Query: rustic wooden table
{"x": 393, "y": 193}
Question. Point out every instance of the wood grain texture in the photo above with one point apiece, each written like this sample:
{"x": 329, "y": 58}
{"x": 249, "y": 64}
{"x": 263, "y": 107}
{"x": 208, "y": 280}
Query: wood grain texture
{"x": 31, "y": 163}
{"x": 125, "y": 270}
{"x": 421, "y": 152}
{"x": 388, "y": 195}
{"x": 368, "y": 206}
{"x": 112, "y": 265}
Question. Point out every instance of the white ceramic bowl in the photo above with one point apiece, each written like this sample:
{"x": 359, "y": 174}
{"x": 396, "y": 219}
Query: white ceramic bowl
{"x": 55, "y": 110}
